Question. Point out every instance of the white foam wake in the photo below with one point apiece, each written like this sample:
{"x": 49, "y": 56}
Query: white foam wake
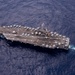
{"x": 72, "y": 47}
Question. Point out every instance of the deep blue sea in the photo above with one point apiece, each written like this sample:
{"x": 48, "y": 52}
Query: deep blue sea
{"x": 20, "y": 59}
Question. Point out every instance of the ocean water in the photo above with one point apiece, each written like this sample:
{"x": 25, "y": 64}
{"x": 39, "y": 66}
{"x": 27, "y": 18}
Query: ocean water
{"x": 20, "y": 59}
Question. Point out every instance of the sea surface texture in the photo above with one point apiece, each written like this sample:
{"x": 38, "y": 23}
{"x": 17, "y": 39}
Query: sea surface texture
{"x": 21, "y": 59}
